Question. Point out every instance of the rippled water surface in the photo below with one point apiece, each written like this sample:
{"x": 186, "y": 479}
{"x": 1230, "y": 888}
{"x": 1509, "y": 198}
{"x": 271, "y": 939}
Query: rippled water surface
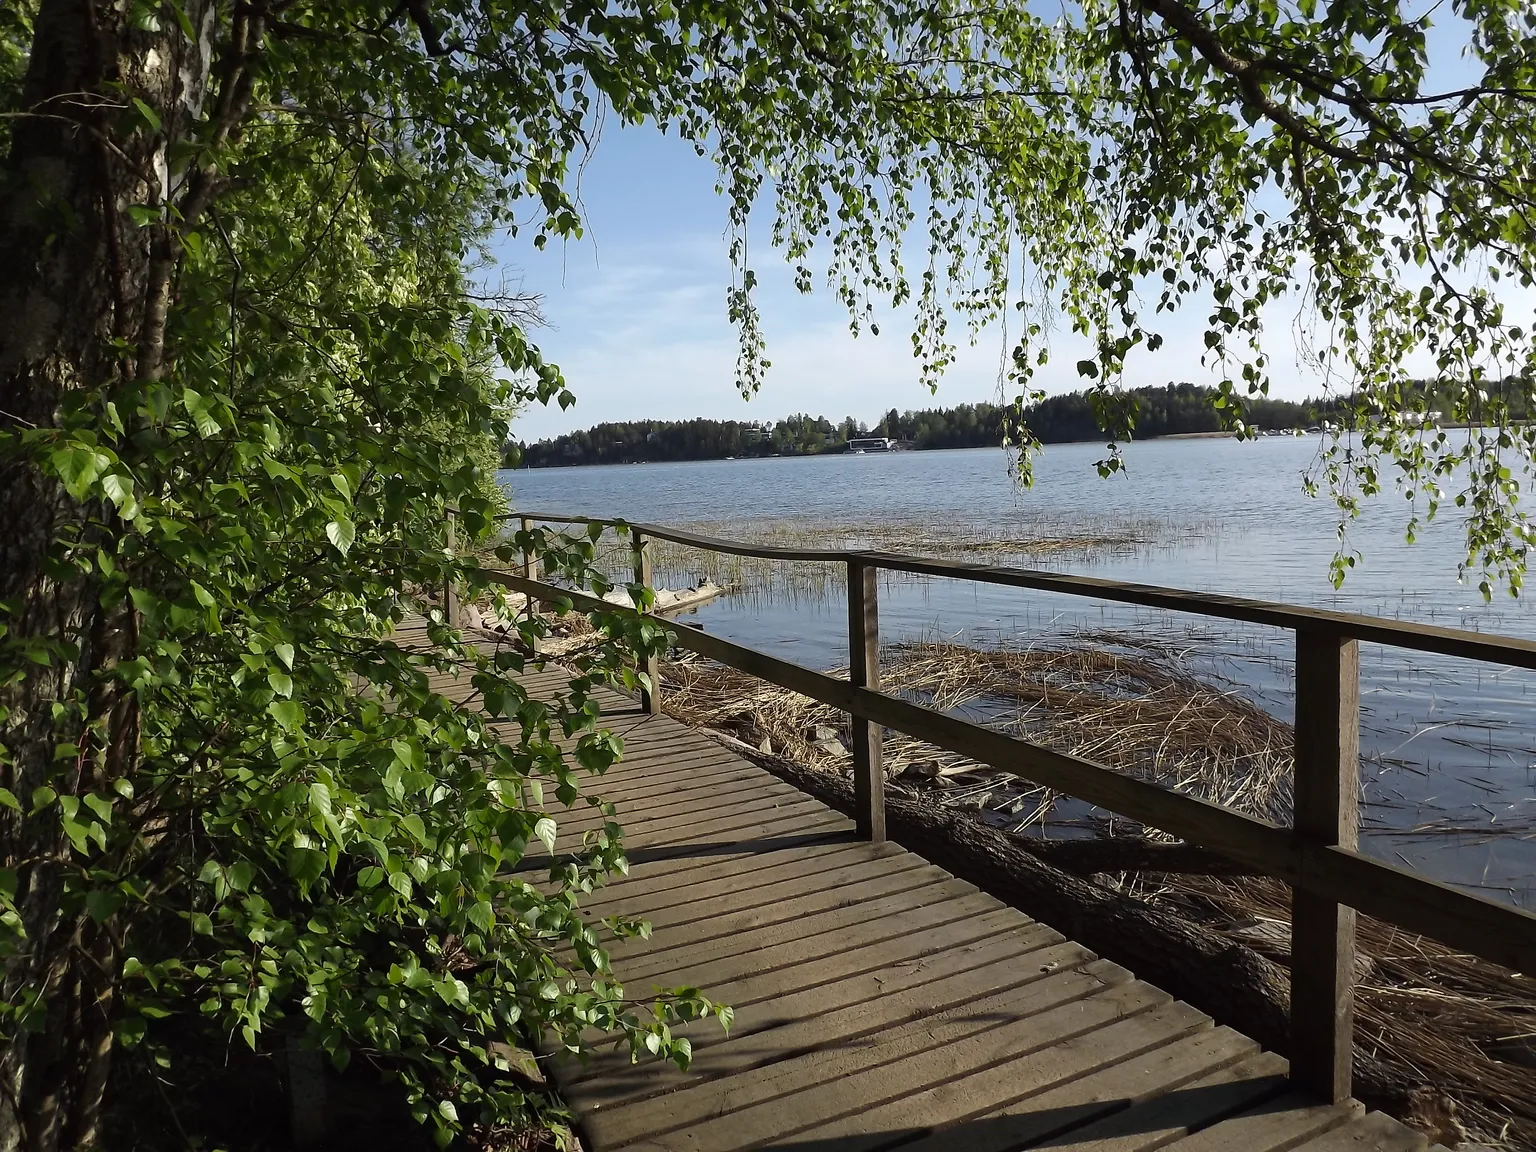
{"x": 1448, "y": 744}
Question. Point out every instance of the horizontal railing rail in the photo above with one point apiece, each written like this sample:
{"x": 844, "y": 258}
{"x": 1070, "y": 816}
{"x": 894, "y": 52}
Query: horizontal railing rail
{"x": 1508, "y": 650}
{"x": 1318, "y": 856}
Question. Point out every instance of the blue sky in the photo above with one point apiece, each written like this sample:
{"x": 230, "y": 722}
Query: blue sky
{"x": 638, "y": 321}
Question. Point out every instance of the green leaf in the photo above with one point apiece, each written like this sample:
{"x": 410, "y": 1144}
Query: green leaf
{"x": 118, "y": 488}
{"x": 341, "y": 533}
{"x": 197, "y": 408}
{"x": 288, "y": 713}
{"x": 151, "y": 117}
{"x": 544, "y": 830}
{"x": 102, "y": 904}
{"x": 482, "y": 915}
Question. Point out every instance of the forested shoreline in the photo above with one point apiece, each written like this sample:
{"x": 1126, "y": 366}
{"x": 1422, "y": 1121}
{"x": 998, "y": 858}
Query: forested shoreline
{"x": 1175, "y": 409}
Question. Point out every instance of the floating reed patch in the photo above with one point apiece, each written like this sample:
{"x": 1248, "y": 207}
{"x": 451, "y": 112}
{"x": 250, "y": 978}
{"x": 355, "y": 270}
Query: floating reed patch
{"x": 1057, "y": 539}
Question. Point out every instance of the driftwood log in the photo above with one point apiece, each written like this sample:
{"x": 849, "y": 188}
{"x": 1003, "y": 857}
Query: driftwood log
{"x": 1132, "y": 854}
{"x": 1226, "y": 980}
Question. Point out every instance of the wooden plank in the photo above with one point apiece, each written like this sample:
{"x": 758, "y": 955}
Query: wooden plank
{"x": 864, "y": 672}
{"x": 625, "y": 786}
{"x": 833, "y": 1114}
{"x": 644, "y": 962}
{"x": 818, "y": 1001}
{"x": 767, "y": 1064}
{"x": 659, "y": 770}
{"x": 843, "y": 882}
{"x": 643, "y": 736}
{"x": 1373, "y": 1131}
{"x": 687, "y": 810}
{"x": 1282, "y": 1123}
{"x": 736, "y": 874}
{"x": 677, "y": 827}
{"x": 663, "y": 875}
{"x": 963, "y": 920}
{"x": 1327, "y": 787}
{"x": 659, "y": 760}
{"x": 647, "y": 753}
{"x": 1168, "y": 1116}
{"x": 633, "y": 811}
{"x": 739, "y": 826}
{"x": 719, "y": 1086}
{"x": 646, "y": 804}
{"x": 913, "y": 947}
{"x": 853, "y": 1027}
{"x": 878, "y": 998}
{"x": 1039, "y": 1063}
{"x": 789, "y": 814}
{"x": 704, "y": 838}
{"x": 721, "y": 918}
{"x": 1087, "y": 1101}
{"x": 702, "y": 851}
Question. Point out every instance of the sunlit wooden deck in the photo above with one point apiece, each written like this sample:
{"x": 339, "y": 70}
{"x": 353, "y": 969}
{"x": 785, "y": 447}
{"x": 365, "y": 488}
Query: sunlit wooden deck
{"x": 882, "y": 1003}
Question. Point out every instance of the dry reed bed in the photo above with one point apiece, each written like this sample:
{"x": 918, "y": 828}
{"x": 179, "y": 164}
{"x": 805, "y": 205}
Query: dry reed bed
{"x": 1450, "y": 1019}
{"x": 1130, "y": 712}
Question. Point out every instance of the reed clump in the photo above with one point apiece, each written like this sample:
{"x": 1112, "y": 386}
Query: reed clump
{"x": 1034, "y": 539}
{"x": 1132, "y": 712}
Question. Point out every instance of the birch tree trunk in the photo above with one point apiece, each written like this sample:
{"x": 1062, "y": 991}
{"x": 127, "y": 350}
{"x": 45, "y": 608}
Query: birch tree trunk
{"x": 83, "y": 299}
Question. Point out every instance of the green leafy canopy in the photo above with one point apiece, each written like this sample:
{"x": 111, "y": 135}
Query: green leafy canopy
{"x": 251, "y": 804}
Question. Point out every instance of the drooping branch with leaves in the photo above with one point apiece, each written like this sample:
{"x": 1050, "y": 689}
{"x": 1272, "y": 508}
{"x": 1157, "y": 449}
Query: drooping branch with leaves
{"x": 246, "y": 368}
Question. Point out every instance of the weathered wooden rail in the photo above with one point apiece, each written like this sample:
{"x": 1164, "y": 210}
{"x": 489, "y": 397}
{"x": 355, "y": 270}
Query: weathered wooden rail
{"x": 1317, "y": 856}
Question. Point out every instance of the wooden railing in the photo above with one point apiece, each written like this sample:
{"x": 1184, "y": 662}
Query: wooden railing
{"x": 1318, "y": 856}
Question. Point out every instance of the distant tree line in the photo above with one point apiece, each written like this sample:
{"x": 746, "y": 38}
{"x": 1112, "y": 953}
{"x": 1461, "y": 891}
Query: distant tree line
{"x": 1164, "y": 411}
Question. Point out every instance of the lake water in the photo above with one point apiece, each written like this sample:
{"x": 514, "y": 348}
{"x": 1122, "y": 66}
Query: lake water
{"x": 1449, "y": 786}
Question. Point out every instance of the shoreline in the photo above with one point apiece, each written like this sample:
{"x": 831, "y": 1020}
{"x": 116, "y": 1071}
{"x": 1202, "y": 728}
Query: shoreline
{"x": 1290, "y": 434}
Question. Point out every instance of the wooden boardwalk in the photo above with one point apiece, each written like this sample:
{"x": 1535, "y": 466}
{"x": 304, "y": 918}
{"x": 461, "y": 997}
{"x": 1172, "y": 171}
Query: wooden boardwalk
{"x": 882, "y": 1003}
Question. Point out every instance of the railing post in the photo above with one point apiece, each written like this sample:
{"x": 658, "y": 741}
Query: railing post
{"x": 650, "y": 698}
{"x": 530, "y": 572}
{"x": 1327, "y": 787}
{"x": 864, "y": 672}
{"x": 450, "y": 590}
